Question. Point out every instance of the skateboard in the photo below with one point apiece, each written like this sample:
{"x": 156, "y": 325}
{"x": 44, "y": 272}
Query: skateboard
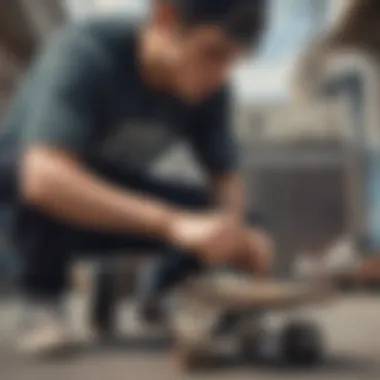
{"x": 207, "y": 298}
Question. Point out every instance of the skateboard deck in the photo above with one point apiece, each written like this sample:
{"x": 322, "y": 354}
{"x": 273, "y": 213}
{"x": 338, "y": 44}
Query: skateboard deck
{"x": 206, "y": 298}
{"x": 238, "y": 292}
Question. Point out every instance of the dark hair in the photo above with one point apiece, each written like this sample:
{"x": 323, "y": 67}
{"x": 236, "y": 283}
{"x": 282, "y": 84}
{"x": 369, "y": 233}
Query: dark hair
{"x": 244, "y": 20}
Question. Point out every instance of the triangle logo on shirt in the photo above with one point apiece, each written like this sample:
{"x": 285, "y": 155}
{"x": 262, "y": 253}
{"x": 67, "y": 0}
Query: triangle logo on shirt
{"x": 136, "y": 142}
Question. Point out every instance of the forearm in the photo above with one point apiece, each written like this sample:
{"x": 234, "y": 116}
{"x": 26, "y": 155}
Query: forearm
{"x": 72, "y": 194}
{"x": 230, "y": 193}
{"x": 231, "y": 196}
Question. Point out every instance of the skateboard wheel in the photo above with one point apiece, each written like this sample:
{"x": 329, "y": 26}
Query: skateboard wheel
{"x": 301, "y": 344}
{"x": 250, "y": 344}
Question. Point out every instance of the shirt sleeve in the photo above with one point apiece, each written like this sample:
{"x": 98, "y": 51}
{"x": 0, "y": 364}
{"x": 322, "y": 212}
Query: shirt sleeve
{"x": 62, "y": 95}
{"x": 212, "y": 137}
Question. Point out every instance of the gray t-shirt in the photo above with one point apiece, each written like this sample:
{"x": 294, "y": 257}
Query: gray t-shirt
{"x": 85, "y": 93}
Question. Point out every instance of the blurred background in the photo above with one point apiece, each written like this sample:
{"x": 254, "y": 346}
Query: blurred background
{"x": 307, "y": 117}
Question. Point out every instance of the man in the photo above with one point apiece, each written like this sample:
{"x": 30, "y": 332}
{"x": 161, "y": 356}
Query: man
{"x": 103, "y": 100}
{"x": 352, "y": 33}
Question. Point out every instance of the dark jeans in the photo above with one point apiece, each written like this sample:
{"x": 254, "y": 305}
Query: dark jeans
{"x": 47, "y": 246}
{"x": 8, "y": 264}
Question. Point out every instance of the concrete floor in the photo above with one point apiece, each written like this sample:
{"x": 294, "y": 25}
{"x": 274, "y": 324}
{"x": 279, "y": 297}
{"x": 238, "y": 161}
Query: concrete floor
{"x": 352, "y": 328}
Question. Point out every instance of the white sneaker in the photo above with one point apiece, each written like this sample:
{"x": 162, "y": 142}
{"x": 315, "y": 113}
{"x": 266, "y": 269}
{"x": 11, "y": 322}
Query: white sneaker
{"x": 47, "y": 332}
{"x": 341, "y": 258}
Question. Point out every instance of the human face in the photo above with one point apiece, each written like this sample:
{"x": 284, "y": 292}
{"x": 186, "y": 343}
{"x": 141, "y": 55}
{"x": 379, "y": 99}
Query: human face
{"x": 203, "y": 59}
{"x": 198, "y": 58}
